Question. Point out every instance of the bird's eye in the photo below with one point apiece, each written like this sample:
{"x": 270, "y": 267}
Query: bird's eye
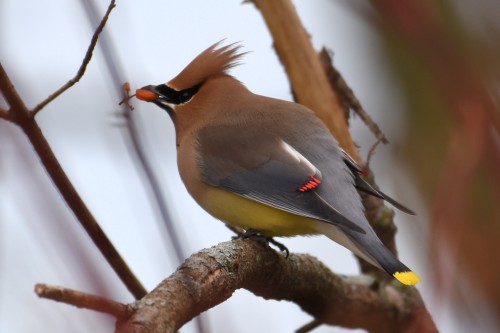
{"x": 186, "y": 94}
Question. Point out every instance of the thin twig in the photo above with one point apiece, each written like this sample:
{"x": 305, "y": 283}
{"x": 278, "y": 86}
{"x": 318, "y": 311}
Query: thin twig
{"x": 309, "y": 326}
{"x": 347, "y": 96}
{"x": 83, "y": 66}
{"x": 126, "y": 100}
{"x": 83, "y": 300}
{"x": 371, "y": 151}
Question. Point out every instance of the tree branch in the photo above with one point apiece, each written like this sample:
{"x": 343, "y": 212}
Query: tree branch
{"x": 137, "y": 152}
{"x": 83, "y": 66}
{"x": 10, "y": 94}
{"x": 210, "y": 276}
{"x": 346, "y": 96}
{"x": 466, "y": 93}
{"x": 82, "y": 300}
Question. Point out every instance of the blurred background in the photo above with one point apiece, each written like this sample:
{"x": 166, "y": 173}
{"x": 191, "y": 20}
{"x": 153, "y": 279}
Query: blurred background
{"x": 427, "y": 72}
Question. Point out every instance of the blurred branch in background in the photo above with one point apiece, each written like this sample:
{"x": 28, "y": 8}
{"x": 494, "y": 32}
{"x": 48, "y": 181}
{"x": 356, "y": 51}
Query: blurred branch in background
{"x": 85, "y": 62}
{"x": 449, "y": 70}
{"x": 136, "y": 147}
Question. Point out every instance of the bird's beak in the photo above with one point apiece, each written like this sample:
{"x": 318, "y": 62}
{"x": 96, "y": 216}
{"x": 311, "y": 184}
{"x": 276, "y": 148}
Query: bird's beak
{"x": 151, "y": 94}
{"x": 147, "y": 93}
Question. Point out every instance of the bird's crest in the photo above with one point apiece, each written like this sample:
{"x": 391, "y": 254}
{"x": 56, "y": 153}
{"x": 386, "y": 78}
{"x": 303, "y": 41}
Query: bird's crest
{"x": 212, "y": 62}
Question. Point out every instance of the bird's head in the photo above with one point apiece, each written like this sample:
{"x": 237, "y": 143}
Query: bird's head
{"x": 210, "y": 64}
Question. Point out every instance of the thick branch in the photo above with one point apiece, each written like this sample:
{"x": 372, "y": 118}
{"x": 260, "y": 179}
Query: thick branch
{"x": 83, "y": 66}
{"x": 212, "y": 275}
{"x": 467, "y": 95}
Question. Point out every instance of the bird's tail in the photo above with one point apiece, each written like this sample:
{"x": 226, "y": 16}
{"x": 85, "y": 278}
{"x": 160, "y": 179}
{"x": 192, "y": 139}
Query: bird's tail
{"x": 385, "y": 259}
{"x": 371, "y": 249}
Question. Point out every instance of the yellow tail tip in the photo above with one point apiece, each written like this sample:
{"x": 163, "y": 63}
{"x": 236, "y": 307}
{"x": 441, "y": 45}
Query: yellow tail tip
{"x": 409, "y": 278}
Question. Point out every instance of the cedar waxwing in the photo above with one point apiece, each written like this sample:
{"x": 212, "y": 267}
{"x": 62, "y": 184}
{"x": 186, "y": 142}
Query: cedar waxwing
{"x": 264, "y": 164}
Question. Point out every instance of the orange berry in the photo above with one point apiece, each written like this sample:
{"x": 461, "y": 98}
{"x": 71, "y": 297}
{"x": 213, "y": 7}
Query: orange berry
{"x": 145, "y": 95}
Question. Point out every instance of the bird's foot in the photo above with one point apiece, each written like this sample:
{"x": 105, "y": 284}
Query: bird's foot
{"x": 258, "y": 237}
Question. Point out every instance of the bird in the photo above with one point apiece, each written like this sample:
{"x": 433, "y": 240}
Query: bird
{"x": 266, "y": 165}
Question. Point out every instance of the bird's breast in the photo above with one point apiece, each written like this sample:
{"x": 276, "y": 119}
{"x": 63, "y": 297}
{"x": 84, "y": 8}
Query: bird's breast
{"x": 245, "y": 213}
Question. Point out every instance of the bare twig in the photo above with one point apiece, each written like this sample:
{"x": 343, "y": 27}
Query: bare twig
{"x": 347, "y": 96}
{"x": 210, "y": 276}
{"x": 83, "y": 66}
{"x": 18, "y": 109}
{"x": 371, "y": 151}
{"x": 309, "y": 326}
{"x": 126, "y": 100}
{"x": 83, "y": 300}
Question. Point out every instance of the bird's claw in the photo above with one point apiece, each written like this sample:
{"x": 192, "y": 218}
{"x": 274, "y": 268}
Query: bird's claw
{"x": 258, "y": 237}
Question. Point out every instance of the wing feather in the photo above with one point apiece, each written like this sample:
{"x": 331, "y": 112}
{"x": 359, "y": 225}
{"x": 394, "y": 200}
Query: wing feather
{"x": 364, "y": 186}
{"x": 265, "y": 169}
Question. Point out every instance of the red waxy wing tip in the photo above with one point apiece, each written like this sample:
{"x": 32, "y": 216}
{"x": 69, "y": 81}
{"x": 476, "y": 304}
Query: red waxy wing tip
{"x": 312, "y": 183}
{"x": 145, "y": 95}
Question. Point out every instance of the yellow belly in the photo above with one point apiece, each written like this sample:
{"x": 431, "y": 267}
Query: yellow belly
{"x": 238, "y": 211}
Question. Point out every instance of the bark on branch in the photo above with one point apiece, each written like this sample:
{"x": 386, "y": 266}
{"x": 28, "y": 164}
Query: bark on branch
{"x": 210, "y": 276}
{"x": 82, "y": 300}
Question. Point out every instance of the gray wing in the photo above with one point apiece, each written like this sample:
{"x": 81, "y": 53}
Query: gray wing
{"x": 364, "y": 186}
{"x": 264, "y": 168}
